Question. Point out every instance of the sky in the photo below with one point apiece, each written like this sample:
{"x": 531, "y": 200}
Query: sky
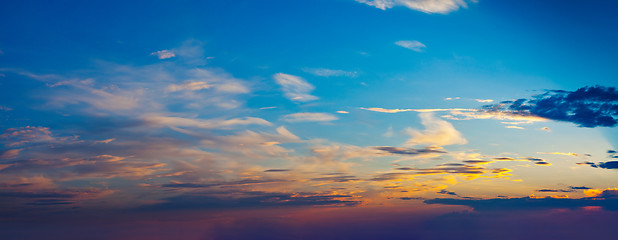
{"x": 321, "y": 119}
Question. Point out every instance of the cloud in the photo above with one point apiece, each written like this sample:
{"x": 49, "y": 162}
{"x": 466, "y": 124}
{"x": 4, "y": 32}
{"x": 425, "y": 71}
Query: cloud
{"x": 514, "y": 127}
{"x": 410, "y": 151}
{"x": 324, "y": 72}
{"x": 384, "y": 110}
{"x": 23, "y": 135}
{"x": 9, "y": 154}
{"x": 566, "y": 154}
{"x": 295, "y": 88}
{"x": 606, "y": 165}
{"x": 309, "y": 117}
{"x": 343, "y": 112}
{"x": 412, "y": 45}
{"x": 156, "y": 119}
{"x": 469, "y": 114}
{"x": 608, "y": 199}
{"x": 537, "y": 161}
{"x": 253, "y": 200}
{"x": 586, "y": 107}
{"x": 484, "y": 100}
{"x": 437, "y": 132}
{"x": 164, "y": 54}
{"x": 445, "y": 192}
{"x": 426, "y": 6}
{"x": 191, "y": 86}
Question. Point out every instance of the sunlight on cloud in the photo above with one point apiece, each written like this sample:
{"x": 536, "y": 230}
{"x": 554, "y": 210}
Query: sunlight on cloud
{"x": 437, "y": 132}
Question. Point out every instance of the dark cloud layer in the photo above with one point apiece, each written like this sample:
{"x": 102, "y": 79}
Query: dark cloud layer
{"x": 607, "y": 200}
{"x": 258, "y": 200}
{"x": 587, "y": 107}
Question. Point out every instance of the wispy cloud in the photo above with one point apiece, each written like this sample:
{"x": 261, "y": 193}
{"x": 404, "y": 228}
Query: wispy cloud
{"x": 385, "y": 110}
{"x": 309, "y": 117}
{"x": 164, "y": 54}
{"x": 156, "y": 119}
{"x": 295, "y": 88}
{"x": 325, "y": 72}
{"x": 437, "y": 132}
{"x": 412, "y": 45}
{"x": 427, "y": 6}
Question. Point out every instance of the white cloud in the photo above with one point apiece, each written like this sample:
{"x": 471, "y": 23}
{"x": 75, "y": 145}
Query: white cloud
{"x": 309, "y": 117}
{"x": 437, "y": 132}
{"x": 484, "y": 100}
{"x": 295, "y": 88}
{"x": 343, "y": 112}
{"x": 412, "y": 45}
{"x": 324, "y": 72}
{"x": 164, "y": 54}
{"x": 426, "y": 6}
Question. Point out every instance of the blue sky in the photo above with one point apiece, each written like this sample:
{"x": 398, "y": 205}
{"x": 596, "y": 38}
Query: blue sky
{"x": 355, "y": 107}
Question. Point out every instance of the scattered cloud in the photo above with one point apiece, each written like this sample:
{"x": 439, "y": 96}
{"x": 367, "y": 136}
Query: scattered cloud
{"x": 343, "y": 112}
{"x": 295, "y": 88}
{"x": 484, "y": 100}
{"x": 324, "y": 72}
{"x": 412, "y": 45}
{"x": 450, "y": 98}
{"x": 546, "y": 129}
{"x": 309, "y": 117}
{"x": 426, "y": 6}
{"x": 164, "y": 54}
{"x": 19, "y": 136}
{"x": 514, "y": 127}
{"x": 9, "y": 154}
{"x": 437, "y": 132}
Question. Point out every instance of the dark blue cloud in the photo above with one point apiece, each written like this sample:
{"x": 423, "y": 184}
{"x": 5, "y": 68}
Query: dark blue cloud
{"x": 587, "y": 107}
{"x": 608, "y": 199}
{"x": 409, "y": 151}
